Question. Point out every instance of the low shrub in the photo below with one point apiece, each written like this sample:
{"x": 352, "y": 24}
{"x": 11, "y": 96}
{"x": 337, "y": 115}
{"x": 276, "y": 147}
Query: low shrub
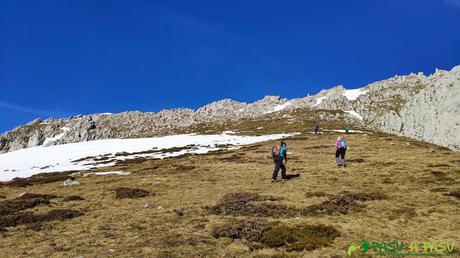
{"x": 343, "y": 203}
{"x": 248, "y": 229}
{"x": 26, "y": 201}
{"x": 27, "y": 217}
{"x": 237, "y": 204}
{"x": 299, "y": 238}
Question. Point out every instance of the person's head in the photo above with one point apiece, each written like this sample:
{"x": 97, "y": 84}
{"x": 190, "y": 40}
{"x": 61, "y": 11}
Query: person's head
{"x": 283, "y": 143}
{"x": 339, "y": 138}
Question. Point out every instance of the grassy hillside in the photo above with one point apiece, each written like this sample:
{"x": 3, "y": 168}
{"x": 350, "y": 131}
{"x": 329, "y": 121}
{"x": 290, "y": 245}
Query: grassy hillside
{"x": 223, "y": 204}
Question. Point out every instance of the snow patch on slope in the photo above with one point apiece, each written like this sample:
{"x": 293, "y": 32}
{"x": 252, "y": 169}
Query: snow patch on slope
{"x": 58, "y": 158}
{"x": 354, "y": 94}
{"x": 318, "y": 101}
{"x": 65, "y": 129}
{"x": 281, "y": 106}
{"x": 354, "y": 113}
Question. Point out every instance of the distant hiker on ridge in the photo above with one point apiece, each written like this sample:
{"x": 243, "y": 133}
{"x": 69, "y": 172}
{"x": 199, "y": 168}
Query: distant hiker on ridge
{"x": 346, "y": 128}
{"x": 316, "y": 127}
{"x": 341, "y": 147}
{"x": 279, "y": 154}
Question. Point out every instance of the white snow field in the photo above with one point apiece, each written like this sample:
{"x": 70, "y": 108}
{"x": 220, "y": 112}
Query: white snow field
{"x": 354, "y": 94}
{"x": 280, "y": 107}
{"x": 354, "y": 113}
{"x": 58, "y": 158}
{"x": 318, "y": 101}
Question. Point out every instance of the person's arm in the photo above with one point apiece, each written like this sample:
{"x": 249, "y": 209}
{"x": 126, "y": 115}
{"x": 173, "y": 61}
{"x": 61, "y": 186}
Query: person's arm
{"x": 285, "y": 154}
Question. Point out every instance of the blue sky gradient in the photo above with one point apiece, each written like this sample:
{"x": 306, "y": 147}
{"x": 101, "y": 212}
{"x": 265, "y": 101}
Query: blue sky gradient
{"x": 61, "y": 58}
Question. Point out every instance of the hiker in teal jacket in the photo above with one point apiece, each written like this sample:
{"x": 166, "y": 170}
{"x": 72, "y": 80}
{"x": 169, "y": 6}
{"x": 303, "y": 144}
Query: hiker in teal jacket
{"x": 279, "y": 154}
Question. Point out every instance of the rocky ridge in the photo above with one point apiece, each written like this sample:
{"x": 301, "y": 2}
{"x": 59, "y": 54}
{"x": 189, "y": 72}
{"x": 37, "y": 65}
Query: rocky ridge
{"x": 421, "y": 107}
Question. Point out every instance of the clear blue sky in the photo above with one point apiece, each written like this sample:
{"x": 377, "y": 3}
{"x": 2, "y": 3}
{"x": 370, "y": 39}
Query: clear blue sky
{"x": 60, "y": 58}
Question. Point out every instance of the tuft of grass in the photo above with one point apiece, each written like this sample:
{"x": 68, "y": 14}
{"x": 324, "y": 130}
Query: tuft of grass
{"x": 357, "y": 160}
{"x": 438, "y": 177}
{"x": 232, "y": 158}
{"x": 455, "y": 194}
{"x": 438, "y": 190}
{"x": 315, "y": 194}
{"x": 130, "y": 193}
{"x": 72, "y": 198}
{"x": 439, "y": 165}
{"x": 184, "y": 168}
{"x": 406, "y": 212}
{"x": 38, "y": 226}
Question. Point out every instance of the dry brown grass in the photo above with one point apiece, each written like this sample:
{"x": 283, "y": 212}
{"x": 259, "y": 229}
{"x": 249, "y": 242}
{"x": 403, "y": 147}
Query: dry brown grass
{"x": 130, "y": 193}
{"x": 417, "y": 200}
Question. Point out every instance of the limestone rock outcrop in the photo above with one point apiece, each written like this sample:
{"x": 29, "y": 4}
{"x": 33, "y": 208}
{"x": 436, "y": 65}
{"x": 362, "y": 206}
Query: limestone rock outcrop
{"x": 425, "y": 108}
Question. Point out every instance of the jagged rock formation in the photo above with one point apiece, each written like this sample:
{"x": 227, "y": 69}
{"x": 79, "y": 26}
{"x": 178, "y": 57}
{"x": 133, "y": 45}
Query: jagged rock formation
{"x": 432, "y": 115}
{"x": 417, "y": 106}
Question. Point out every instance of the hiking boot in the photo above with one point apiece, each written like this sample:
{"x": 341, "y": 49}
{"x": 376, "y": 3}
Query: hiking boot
{"x": 273, "y": 180}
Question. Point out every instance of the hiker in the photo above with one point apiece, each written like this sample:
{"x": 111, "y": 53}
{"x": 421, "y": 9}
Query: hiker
{"x": 346, "y": 129}
{"x": 279, "y": 154}
{"x": 341, "y": 147}
{"x": 316, "y": 126}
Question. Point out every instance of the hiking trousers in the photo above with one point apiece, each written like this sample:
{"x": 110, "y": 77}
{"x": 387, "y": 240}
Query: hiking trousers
{"x": 279, "y": 165}
{"x": 340, "y": 156}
